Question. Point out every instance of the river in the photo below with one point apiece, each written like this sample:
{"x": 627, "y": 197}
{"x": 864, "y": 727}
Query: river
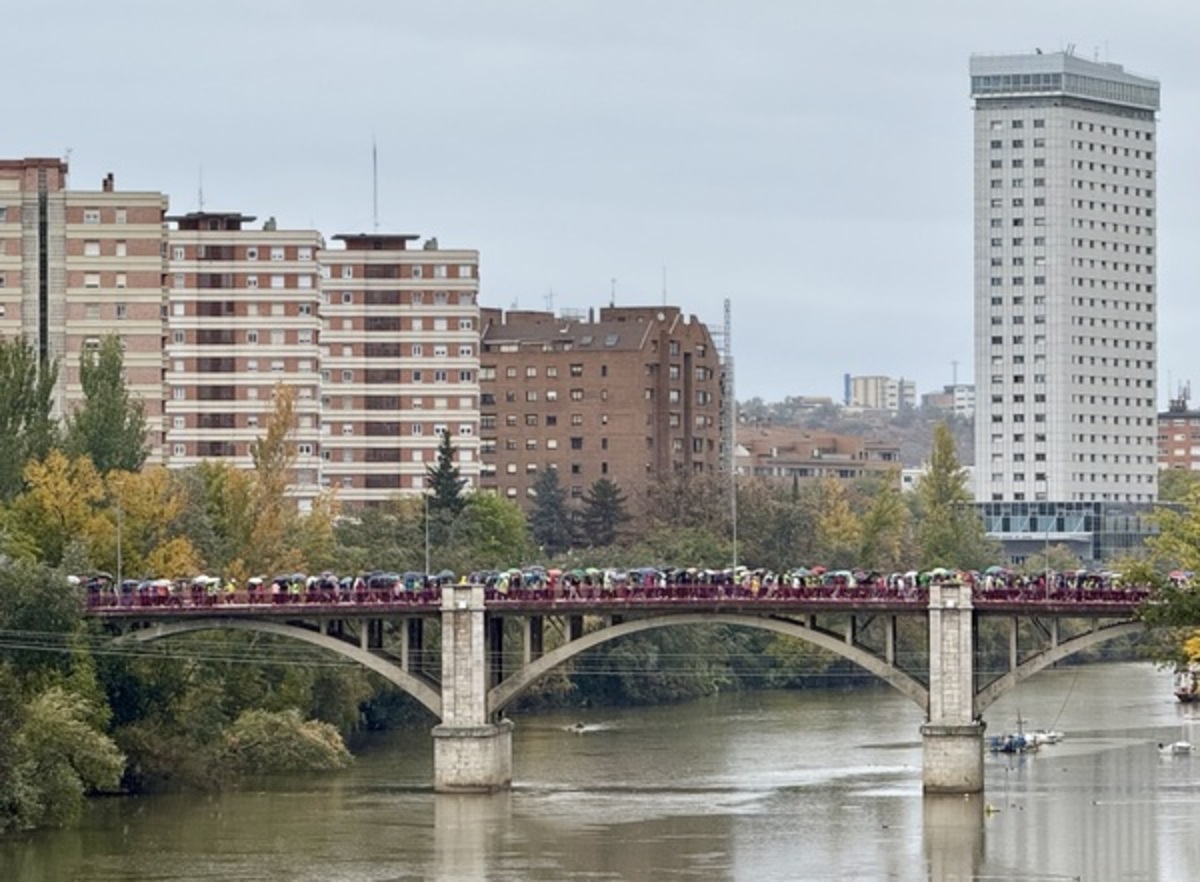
{"x": 760, "y": 786}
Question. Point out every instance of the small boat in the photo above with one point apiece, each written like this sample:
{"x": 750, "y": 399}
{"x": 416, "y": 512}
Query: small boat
{"x": 1012, "y": 742}
{"x": 1176, "y": 748}
{"x": 1187, "y": 684}
{"x": 1045, "y": 736}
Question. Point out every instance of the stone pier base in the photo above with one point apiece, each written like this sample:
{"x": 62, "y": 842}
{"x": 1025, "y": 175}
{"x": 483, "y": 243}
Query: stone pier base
{"x": 953, "y": 761}
{"x": 472, "y": 759}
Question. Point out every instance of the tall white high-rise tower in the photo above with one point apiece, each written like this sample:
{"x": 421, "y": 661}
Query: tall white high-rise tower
{"x": 1065, "y": 317}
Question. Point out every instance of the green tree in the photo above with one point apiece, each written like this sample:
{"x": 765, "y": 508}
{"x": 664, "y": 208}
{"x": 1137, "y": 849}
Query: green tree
{"x": 110, "y": 426}
{"x": 949, "y": 531}
{"x": 54, "y": 756}
{"x": 491, "y": 532}
{"x": 1175, "y": 484}
{"x": 884, "y": 535}
{"x": 27, "y": 427}
{"x": 1177, "y": 544}
{"x": 604, "y": 514}
{"x": 445, "y": 482}
{"x": 550, "y": 519}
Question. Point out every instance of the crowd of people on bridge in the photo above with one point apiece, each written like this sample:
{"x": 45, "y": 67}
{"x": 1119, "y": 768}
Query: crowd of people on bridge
{"x": 594, "y": 583}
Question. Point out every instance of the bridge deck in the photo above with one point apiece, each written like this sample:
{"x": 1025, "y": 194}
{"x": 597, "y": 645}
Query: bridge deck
{"x": 1104, "y": 602}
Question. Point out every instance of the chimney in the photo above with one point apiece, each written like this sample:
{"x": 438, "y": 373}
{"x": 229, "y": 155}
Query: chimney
{"x": 107, "y": 183}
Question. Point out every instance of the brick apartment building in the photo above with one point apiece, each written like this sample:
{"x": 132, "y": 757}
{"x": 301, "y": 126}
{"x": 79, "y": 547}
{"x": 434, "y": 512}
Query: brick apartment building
{"x": 399, "y": 363}
{"x": 244, "y": 318}
{"x": 76, "y": 265}
{"x": 1179, "y": 435}
{"x": 631, "y": 395}
{"x": 785, "y": 454}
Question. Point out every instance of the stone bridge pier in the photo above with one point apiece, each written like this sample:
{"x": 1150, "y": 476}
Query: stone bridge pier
{"x": 471, "y": 753}
{"x": 952, "y": 735}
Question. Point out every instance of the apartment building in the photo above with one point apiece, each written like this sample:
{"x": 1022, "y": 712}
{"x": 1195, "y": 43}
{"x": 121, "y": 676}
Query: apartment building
{"x": 244, "y": 321}
{"x": 783, "y": 454}
{"x": 1179, "y": 434}
{"x": 1065, "y": 295}
{"x": 76, "y": 265}
{"x": 630, "y": 396}
{"x": 880, "y": 393}
{"x": 399, "y": 363}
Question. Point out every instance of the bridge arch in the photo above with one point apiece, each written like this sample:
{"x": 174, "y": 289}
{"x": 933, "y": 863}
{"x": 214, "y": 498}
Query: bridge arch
{"x": 501, "y": 695}
{"x": 414, "y": 686}
{"x": 986, "y": 696}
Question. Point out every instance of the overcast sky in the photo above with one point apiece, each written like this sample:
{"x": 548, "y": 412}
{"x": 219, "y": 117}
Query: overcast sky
{"x": 810, "y": 161}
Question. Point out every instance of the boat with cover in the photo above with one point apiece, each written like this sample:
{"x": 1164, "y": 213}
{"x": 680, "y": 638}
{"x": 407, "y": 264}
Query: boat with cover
{"x": 1187, "y": 684}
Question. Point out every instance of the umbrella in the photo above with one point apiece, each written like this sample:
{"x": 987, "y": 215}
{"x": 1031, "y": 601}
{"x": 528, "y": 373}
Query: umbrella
{"x": 994, "y": 570}
{"x": 818, "y": 571}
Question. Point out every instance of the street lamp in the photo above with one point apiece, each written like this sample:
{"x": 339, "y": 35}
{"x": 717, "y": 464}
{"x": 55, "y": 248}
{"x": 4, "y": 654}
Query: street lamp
{"x": 425, "y": 497}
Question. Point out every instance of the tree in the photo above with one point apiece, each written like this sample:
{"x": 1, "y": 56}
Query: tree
{"x": 550, "y": 519}
{"x": 603, "y": 514}
{"x": 61, "y": 505}
{"x": 26, "y": 403}
{"x": 949, "y": 532}
{"x": 56, "y": 756}
{"x": 445, "y": 482}
{"x": 885, "y": 528}
{"x": 839, "y": 532}
{"x": 1177, "y": 544}
{"x": 1175, "y": 484}
{"x": 110, "y": 426}
{"x": 491, "y": 532}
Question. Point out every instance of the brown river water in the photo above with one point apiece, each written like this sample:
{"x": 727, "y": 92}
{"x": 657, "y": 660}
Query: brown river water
{"x": 760, "y": 786}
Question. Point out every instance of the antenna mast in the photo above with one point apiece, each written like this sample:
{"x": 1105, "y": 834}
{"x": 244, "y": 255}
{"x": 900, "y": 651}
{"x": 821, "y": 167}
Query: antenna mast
{"x": 374, "y": 184}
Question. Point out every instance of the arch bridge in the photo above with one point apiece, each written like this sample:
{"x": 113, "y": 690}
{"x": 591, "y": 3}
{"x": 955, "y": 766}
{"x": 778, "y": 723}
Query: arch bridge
{"x": 482, "y": 666}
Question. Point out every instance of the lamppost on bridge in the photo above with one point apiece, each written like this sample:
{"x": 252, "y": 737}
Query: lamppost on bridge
{"x": 425, "y": 498}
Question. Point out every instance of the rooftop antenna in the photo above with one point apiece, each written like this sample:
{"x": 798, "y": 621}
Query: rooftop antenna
{"x": 200, "y": 192}
{"x": 550, "y": 301}
{"x": 374, "y": 184}
{"x": 664, "y": 290}
{"x": 612, "y": 293}
{"x": 954, "y": 372}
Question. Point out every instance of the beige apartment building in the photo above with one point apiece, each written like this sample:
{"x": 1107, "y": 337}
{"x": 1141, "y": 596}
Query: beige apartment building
{"x": 399, "y": 363}
{"x": 244, "y": 321}
{"x": 632, "y": 395}
{"x": 76, "y": 265}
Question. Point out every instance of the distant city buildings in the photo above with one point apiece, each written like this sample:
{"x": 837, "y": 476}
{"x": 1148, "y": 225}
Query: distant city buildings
{"x": 1179, "y": 435}
{"x": 783, "y": 454}
{"x": 1065, "y": 299}
{"x": 879, "y": 393}
{"x": 957, "y": 399}
{"x": 630, "y": 395}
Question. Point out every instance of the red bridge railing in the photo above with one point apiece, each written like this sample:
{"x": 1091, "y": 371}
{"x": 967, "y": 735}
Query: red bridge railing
{"x": 598, "y": 599}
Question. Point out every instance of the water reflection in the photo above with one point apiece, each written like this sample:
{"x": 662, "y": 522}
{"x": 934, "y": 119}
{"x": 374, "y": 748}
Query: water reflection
{"x": 952, "y": 835}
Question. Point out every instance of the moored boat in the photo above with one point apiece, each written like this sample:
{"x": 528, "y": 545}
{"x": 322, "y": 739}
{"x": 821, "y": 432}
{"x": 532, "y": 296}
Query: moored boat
{"x": 1187, "y": 684}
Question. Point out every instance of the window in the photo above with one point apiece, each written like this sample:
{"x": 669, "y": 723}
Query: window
{"x": 91, "y": 280}
{"x": 122, "y": 280}
{"x": 252, "y": 253}
{"x": 277, "y": 253}
{"x": 91, "y": 248}
{"x": 277, "y": 281}
{"x": 91, "y": 215}
{"x": 122, "y": 249}
{"x": 251, "y": 281}
{"x": 304, "y": 253}
{"x": 178, "y": 252}
{"x": 464, "y": 271}
{"x": 121, "y": 311}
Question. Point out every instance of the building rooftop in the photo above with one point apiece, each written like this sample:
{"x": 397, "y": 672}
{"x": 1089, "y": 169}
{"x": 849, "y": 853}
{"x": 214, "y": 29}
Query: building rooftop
{"x": 1060, "y": 73}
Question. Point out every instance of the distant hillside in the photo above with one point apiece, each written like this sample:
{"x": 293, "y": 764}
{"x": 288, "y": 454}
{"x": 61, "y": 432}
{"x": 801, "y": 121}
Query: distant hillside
{"x": 912, "y": 430}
